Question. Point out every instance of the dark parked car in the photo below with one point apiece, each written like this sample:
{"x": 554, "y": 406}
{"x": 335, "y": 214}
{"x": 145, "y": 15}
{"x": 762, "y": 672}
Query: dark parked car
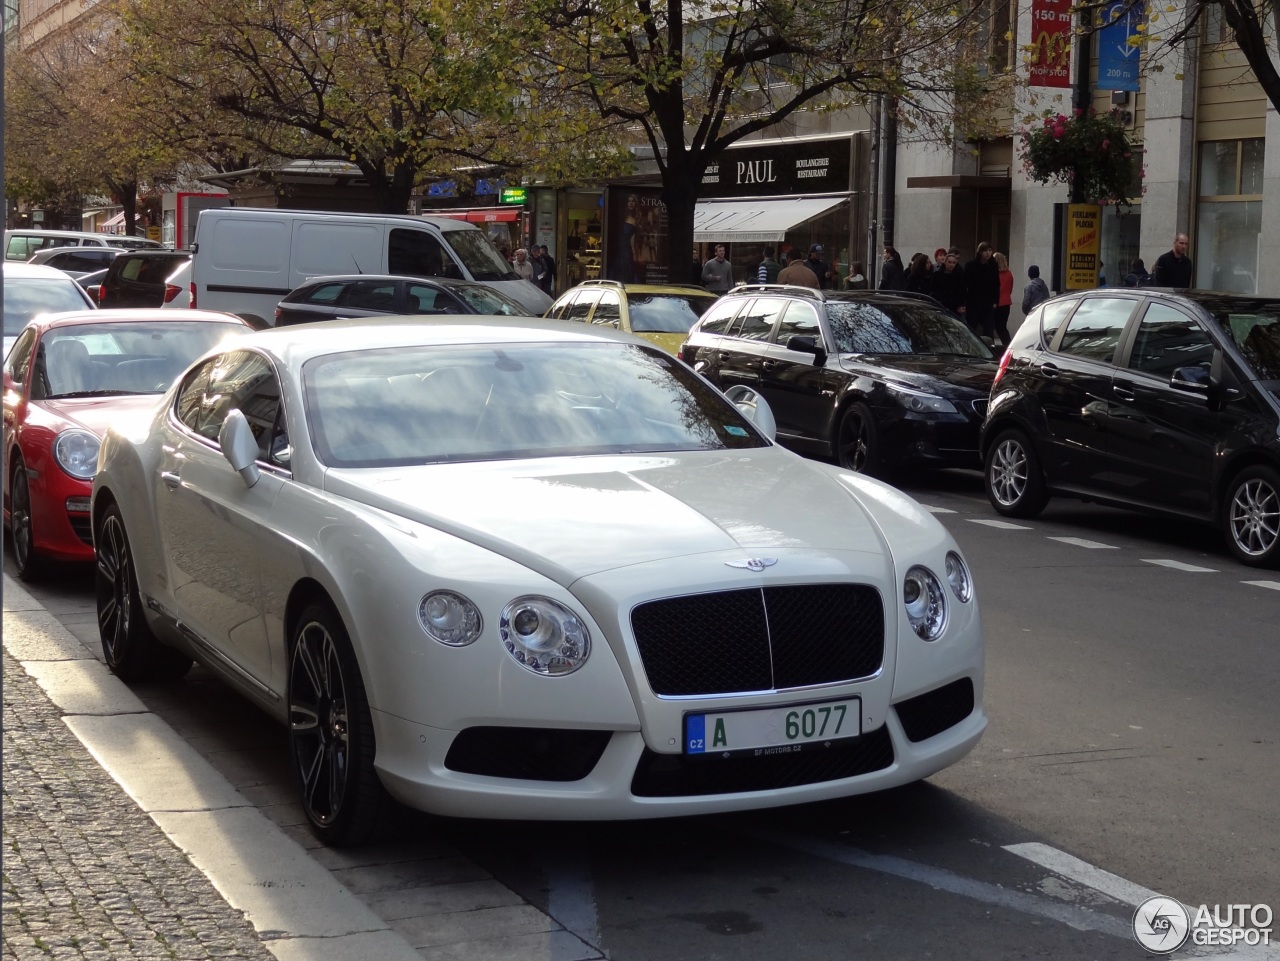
{"x": 136, "y": 278}
{"x": 371, "y": 295}
{"x": 875, "y": 380}
{"x": 75, "y": 261}
{"x": 1144, "y": 399}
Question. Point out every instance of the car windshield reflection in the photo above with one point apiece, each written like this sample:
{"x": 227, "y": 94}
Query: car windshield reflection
{"x": 384, "y": 408}
{"x": 1257, "y": 334}
{"x": 864, "y": 328}
{"x": 666, "y": 313}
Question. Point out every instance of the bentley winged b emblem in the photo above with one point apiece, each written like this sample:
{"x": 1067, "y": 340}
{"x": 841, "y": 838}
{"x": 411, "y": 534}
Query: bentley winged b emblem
{"x": 756, "y": 564}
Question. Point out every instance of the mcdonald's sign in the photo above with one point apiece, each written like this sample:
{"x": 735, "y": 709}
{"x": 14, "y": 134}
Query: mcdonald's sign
{"x": 1050, "y": 60}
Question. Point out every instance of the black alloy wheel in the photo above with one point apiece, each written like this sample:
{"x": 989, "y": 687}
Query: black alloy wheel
{"x": 858, "y": 442}
{"x": 1015, "y": 484}
{"x": 131, "y": 650}
{"x": 331, "y": 741}
{"x": 1251, "y": 516}
{"x": 25, "y": 558}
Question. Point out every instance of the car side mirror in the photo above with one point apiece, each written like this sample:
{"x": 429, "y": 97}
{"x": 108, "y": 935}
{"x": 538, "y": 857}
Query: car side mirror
{"x": 1221, "y": 381}
{"x": 1195, "y": 379}
{"x": 807, "y": 345}
{"x": 239, "y": 447}
{"x": 755, "y": 408}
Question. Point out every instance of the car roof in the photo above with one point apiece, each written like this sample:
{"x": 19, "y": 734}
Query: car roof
{"x": 124, "y": 315}
{"x": 676, "y": 290}
{"x": 346, "y": 278}
{"x": 19, "y": 269}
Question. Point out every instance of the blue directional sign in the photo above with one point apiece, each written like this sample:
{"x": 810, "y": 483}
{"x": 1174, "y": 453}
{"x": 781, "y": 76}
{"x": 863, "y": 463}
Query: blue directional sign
{"x": 1119, "y": 60}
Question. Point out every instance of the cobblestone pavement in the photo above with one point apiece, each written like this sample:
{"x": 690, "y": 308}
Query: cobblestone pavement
{"x": 86, "y": 873}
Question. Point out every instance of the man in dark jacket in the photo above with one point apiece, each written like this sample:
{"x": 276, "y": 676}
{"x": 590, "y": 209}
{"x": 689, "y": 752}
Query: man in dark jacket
{"x": 948, "y": 284}
{"x": 819, "y": 267}
{"x": 548, "y": 283}
{"x": 892, "y": 273}
{"x": 982, "y": 290}
{"x": 1036, "y": 292}
{"x": 1173, "y": 267}
{"x": 767, "y": 272}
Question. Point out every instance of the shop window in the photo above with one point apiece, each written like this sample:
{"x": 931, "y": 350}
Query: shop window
{"x": 1229, "y": 215}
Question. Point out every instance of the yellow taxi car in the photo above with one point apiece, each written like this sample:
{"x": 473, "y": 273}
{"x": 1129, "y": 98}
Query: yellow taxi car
{"x": 660, "y": 313}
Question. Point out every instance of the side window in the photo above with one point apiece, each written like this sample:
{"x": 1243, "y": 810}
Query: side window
{"x": 326, "y": 294}
{"x": 1052, "y": 317}
{"x": 420, "y": 298}
{"x": 1094, "y": 329}
{"x": 559, "y": 308}
{"x": 19, "y": 360}
{"x": 581, "y": 305}
{"x": 1168, "y": 339}
{"x": 799, "y": 320}
{"x": 608, "y": 310}
{"x": 370, "y": 295}
{"x": 718, "y": 317}
{"x": 242, "y": 381}
{"x": 756, "y": 322}
{"x": 418, "y": 252}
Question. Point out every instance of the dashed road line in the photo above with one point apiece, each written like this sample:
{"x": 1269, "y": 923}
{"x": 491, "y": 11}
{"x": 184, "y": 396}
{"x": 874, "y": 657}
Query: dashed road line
{"x": 1271, "y": 585}
{"x": 1179, "y": 566}
{"x": 1082, "y": 542}
{"x": 1000, "y": 525}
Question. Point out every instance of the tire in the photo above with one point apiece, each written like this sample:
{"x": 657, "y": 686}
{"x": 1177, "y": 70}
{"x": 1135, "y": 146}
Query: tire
{"x": 131, "y": 651}
{"x": 331, "y": 739}
{"x": 26, "y": 558}
{"x": 1012, "y": 476}
{"x": 857, "y": 442}
{"x": 1251, "y": 516}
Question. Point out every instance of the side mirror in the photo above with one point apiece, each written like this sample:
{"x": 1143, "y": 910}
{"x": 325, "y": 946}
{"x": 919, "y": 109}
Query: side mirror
{"x": 239, "y": 447}
{"x": 754, "y": 407}
{"x": 1192, "y": 379}
{"x": 807, "y": 345}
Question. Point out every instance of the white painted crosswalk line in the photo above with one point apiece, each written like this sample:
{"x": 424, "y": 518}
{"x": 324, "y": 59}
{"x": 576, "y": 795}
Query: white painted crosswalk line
{"x": 1002, "y": 525}
{"x": 939, "y": 510}
{"x": 1272, "y": 585}
{"x": 1179, "y": 566}
{"x": 1081, "y": 542}
{"x": 1068, "y": 866}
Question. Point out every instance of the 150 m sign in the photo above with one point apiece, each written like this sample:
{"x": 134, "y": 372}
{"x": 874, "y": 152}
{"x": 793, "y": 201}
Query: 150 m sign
{"x": 1050, "y": 61}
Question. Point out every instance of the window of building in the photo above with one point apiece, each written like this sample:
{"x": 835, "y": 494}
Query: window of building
{"x": 1229, "y": 215}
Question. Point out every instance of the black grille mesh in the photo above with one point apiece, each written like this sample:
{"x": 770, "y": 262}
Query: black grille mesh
{"x": 82, "y": 527}
{"x": 527, "y": 753}
{"x": 760, "y": 640}
{"x": 675, "y": 775}
{"x": 934, "y": 711}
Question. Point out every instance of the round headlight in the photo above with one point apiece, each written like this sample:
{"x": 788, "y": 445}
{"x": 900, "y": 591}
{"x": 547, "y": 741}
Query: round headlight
{"x": 449, "y": 618}
{"x": 544, "y": 637}
{"x": 925, "y": 602}
{"x": 76, "y": 452}
{"x": 958, "y": 577}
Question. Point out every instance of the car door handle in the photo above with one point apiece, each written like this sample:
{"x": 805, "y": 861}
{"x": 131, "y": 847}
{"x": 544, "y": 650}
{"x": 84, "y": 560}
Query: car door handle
{"x": 172, "y": 478}
{"x": 1124, "y": 393}
{"x": 1049, "y": 370}
{"x": 771, "y": 364}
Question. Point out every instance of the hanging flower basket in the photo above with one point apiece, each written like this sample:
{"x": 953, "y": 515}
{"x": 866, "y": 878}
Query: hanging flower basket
{"x": 1087, "y": 150}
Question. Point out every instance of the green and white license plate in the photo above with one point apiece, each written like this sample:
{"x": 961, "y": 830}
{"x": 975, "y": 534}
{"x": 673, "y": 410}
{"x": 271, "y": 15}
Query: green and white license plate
{"x": 773, "y": 730}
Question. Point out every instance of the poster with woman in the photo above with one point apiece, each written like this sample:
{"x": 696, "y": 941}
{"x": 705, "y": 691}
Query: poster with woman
{"x": 636, "y": 235}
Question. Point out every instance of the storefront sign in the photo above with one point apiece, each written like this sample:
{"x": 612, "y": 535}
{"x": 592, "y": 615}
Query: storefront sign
{"x": 636, "y": 235}
{"x": 513, "y": 195}
{"x": 1118, "y": 59}
{"x": 780, "y": 168}
{"x": 1083, "y": 228}
{"x": 1050, "y": 60}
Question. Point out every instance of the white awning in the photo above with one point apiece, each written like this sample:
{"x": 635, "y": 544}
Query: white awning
{"x": 755, "y": 220}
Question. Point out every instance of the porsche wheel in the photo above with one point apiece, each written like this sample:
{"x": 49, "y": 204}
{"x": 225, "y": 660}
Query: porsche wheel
{"x": 1251, "y": 515}
{"x": 858, "y": 442}
{"x": 331, "y": 741}
{"x": 26, "y": 559}
{"x": 132, "y": 652}
{"x": 1012, "y": 475}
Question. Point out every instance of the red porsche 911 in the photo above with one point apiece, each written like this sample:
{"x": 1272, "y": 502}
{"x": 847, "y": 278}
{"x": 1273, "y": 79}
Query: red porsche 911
{"x": 67, "y": 378}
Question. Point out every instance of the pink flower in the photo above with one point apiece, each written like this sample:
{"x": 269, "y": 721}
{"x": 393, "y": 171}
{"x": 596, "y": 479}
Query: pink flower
{"x": 1106, "y": 144}
{"x": 1127, "y": 155}
{"x": 1058, "y": 131}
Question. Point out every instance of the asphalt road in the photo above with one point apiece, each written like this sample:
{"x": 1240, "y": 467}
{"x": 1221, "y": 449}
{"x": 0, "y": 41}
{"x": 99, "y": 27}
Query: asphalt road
{"x": 1133, "y": 748}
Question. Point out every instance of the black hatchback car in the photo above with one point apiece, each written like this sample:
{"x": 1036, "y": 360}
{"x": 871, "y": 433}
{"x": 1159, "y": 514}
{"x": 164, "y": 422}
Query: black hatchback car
{"x": 342, "y": 296}
{"x": 1146, "y": 399}
{"x": 876, "y": 381}
{"x": 137, "y": 278}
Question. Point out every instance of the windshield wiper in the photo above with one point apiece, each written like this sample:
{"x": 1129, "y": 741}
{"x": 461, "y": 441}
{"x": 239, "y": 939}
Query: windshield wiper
{"x": 101, "y": 393}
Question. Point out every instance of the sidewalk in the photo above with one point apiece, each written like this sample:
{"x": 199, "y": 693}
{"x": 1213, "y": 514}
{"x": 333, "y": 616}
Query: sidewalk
{"x": 86, "y": 873}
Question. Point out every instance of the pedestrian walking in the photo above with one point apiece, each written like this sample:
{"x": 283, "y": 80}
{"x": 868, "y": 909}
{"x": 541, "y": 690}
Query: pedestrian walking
{"x": 857, "y": 279}
{"x": 919, "y": 276}
{"x": 798, "y": 274}
{"x": 819, "y": 267}
{"x": 1035, "y": 292}
{"x": 892, "y": 273}
{"x": 982, "y": 289}
{"x": 1000, "y": 316}
{"x": 940, "y": 258}
{"x": 767, "y": 273}
{"x": 549, "y": 277}
{"x": 947, "y": 285}
{"x": 1137, "y": 275}
{"x": 717, "y": 273}
{"x": 521, "y": 264}
{"x": 539, "y": 266}
{"x": 1173, "y": 268}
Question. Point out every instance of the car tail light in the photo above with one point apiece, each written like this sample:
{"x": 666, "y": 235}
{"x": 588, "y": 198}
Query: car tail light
{"x": 279, "y": 314}
{"x": 1004, "y": 365}
{"x": 192, "y": 305}
{"x": 171, "y": 291}
{"x": 100, "y": 295}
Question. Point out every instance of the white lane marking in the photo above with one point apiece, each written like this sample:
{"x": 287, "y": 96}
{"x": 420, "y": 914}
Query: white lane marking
{"x": 1082, "y": 919}
{"x": 1179, "y": 566}
{"x": 939, "y": 510}
{"x": 1002, "y": 525}
{"x": 1060, "y": 862}
{"x": 1273, "y": 585}
{"x": 571, "y": 897}
{"x": 1081, "y": 542}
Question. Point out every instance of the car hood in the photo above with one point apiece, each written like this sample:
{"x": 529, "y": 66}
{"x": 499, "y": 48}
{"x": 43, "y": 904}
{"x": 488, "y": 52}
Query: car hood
{"x": 528, "y": 295}
{"x": 568, "y": 517}
{"x": 948, "y": 376}
{"x": 98, "y": 413}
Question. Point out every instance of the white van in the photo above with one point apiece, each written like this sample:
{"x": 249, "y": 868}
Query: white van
{"x": 246, "y": 258}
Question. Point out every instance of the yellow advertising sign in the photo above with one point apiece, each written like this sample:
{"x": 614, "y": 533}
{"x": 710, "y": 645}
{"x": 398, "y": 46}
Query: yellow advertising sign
{"x": 153, "y": 233}
{"x": 1084, "y": 224}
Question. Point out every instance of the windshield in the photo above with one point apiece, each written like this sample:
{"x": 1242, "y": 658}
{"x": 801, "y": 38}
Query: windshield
{"x": 486, "y": 300}
{"x": 122, "y": 358}
{"x": 865, "y": 328}
{"x": 479, "y": 255}
{"x": 24, "y": 298}
{"x": 1257, "y": 333}
{"x": 666, "y": 313}
{"x": 425, "y": 405}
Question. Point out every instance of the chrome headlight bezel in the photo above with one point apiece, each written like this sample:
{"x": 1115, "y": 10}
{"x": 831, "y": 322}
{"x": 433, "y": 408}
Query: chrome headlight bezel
{"x": 543, "y": 636}
{"x": 449, "y": 618}
{"x": 920, "y": 401}
{"x": 925, "y": 603}
{"x": 959, "y": 578}
{"x": 76, "y": 452}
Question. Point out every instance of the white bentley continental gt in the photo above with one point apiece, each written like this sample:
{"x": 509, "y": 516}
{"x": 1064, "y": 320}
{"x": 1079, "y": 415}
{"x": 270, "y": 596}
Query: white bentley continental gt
{"x": 523, "y": 569}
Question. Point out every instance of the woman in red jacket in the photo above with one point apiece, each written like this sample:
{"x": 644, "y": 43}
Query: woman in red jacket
{"x": 1000, "y": 316}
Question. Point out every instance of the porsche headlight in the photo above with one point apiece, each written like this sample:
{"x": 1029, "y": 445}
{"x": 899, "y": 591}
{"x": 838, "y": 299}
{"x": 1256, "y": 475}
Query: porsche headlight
{"x": 76, "y": 452}
{"x": 920, "y": 401}
{"x": 925, "y": 602}
{"x": 544, "y": 637}
{"x": 449, "y": 618}
{"x": 958, "y": 577}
